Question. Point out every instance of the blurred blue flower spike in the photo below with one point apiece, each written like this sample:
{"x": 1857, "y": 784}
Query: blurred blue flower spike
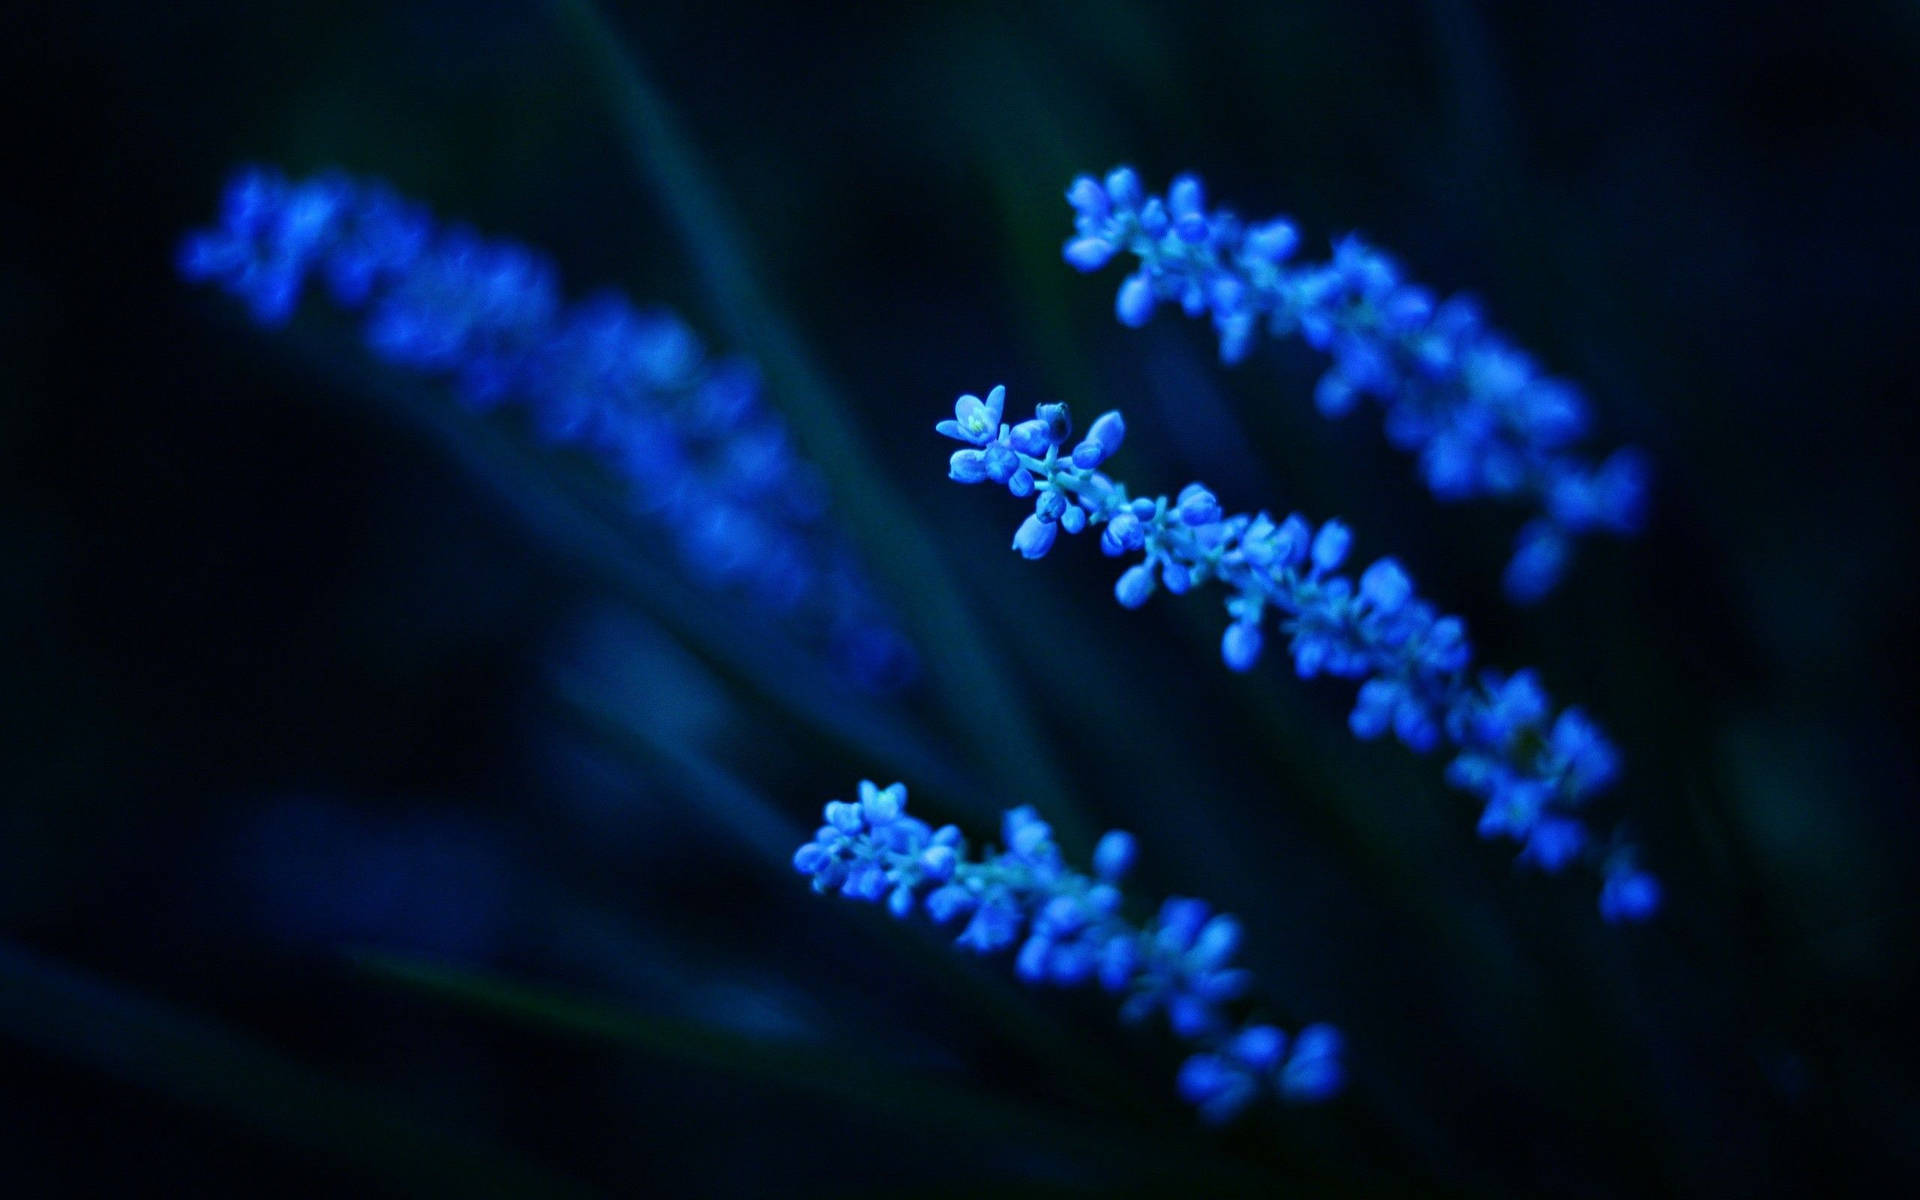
{"x": 1476, "y": 410}
{"x": 705, "y": 457}
{"x": 1067, "y": 929}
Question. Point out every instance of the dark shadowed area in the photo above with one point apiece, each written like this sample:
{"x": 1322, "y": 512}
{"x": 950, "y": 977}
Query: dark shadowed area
{"x": 405, "y": 788}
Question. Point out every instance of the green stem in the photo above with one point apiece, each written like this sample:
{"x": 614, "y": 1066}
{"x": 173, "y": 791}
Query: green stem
{"x": 980, "y": 701}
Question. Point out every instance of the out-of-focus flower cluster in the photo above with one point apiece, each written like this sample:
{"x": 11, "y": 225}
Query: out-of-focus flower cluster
{"x": 1534, "y": 769}
{"x": 1476, "y": 409}
{"x": 1070, "y": 930}
{"x": 707, "y": 460}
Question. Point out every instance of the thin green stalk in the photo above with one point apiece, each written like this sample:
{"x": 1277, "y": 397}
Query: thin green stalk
{"x": 840, "y": 1074}
{"x": 982, "y": 704}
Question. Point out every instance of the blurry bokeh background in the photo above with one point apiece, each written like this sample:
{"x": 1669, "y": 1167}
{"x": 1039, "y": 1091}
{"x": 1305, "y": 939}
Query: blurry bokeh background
{"x": 386, "y": 812}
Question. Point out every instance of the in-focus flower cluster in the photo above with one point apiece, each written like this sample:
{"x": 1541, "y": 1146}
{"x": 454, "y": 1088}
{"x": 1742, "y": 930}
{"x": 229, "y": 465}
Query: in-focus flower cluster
{"x": 1069, "y": 930}
{"x": 1534, "y": 769}
{"x": 704, "y": 455}
{"x": 1476, "y": 409}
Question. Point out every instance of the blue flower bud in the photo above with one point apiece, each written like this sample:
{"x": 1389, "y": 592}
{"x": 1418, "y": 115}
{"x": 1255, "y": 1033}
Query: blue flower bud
{"x": 1058, "y": 420}
{"x": 967, "y": 466}
{"x": 1539, "y": 560}
{"x": 1330, "y": 545}
{"x": 1313, "y": 1072}
{"x": 1124, "y": 534}
{"x": 1628, "y": 896}
{"x": 1554, "y": 842}
{"x": 938, "y": 862}
{"x": 900, "y": 902}
{"x": 1035, "y": 537}
{"x": 1110, "y": 430}
{"x": 811, "y": 858}
{"x": 1197, "y": 505}
{"x": 1373, "y": 708}
{"x": 1211, "y": 1084}
{"x": 866, "y": 881}
{"x": 949, "y": 902}
{"x": 1272, "y": 241}
{"x": 879, "y": 805}
{"x": 1050, "y": 506}
{"x": 1240, "y": 646}
{"x": 1135, "y": 586}
{"x": 1259, "y": 1047}
{"x": 1030, "y": 437}
{"x": 1088, "y": 253}
{"x": 1088, "y": 199}
{"x": 1074, "y": 519}
{"x": 1414, "y": 725}
{"x": 844, "y": 817}
{"x": 1119, "y": 959}
{"x": 1133, "y": 304}
{"x": 1123, "y": 188}
{"x": 994, "y": 926}
{"x": 1020, "y": 483}
{"x": 1290, "y": 541}
{"x": 1031, "y": 963}
{"x": 1214, "y": 944}
{"x": 1001, "y": 462}
{"x": 1113, "y": 856}
{"x": 1154, "y": 221}
{"x": 1386, "y": 587}
{"x": 1334, "y": 395}
{"x": 1185, "y": 195}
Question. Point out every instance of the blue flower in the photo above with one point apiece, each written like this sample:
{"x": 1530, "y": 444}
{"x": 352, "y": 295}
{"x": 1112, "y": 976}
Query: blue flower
{"x": 1629, "y": 895}
{"x": 1068, "y": 929}
{"x": 975, "y": 420}
{"x": 1531, "y": 769}
{"x": 1480, "y": 415}
{"x": 691, "y": 436}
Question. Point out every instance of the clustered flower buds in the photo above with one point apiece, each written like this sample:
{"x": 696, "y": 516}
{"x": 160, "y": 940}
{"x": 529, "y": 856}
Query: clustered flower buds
{"x": 1481, "y": 416}
{"x": 1532, "y": 769}
{"x": 1068, "y": 929}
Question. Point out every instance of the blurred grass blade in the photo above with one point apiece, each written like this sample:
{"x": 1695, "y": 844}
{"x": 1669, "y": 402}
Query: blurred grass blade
{"x": 581, "y": 516}
{"x": 984, "y": 706}
{"x": 141, "y": 1042}
{"x": 836, "y": 1073}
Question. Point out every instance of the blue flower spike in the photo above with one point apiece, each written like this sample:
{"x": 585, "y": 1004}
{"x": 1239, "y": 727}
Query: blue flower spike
{"x": 702, "y": 452}
{"x": 1479, "y": 415}
{"x": 1532, "y": 769}
{"x": 1067, "y": 929}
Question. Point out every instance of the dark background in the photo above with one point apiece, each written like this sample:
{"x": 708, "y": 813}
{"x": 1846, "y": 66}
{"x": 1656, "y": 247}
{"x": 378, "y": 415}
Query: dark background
{"x": 386, "y": 813}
